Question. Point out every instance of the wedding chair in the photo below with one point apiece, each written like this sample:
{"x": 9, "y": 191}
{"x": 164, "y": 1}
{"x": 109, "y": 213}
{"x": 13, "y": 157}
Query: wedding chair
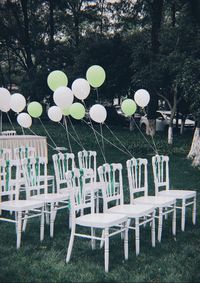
{"x": 79, "y": 200}
{"x": 140, "y": 214}
{"x": 62, "y": 163}
{"x": 24, "y": 209}
{"x": 8, "y": 133}
{"x": 138, "y": 184}
{"x": 87, "y": 160}
{"x": 37, "y": 189}
{"x": 5, "y": 153}
{"x": 23, "y": 152}
{"x": 160, "y": 165}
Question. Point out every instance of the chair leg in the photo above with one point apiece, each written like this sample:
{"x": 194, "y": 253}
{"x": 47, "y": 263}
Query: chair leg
{"x": 183, "y": 216}
{"x": 102, "y": 237}
{"x": 160, "y": 221}
{"x": 153, "y": 236}
{"x": 52, "y": 211}
{"x": 174, "y": 221}
{"x": 19, "y": 229}
{"x": 47, "y": 214}
{"x": 194, "y": 211}
{"x": 93, "y": 241}
{"x": 137, "y": 236}
{"x": 42, "y": 225}
{"x": 25, "y": 221}
{"x": 70, "y": 219}
{"x": 126, "y": 240}
{"x": 106, "y": 250}
{"x": 71, "y": 241}
{"x": 166, "y": 215}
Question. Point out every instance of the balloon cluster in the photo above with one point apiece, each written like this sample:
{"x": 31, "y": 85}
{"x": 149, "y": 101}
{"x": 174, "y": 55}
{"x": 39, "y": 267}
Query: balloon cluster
{"x": 63, "y": 96}
{"x": 141, "y": 98}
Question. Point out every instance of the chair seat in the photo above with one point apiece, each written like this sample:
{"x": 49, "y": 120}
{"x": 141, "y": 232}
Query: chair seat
{"x": 21, "y": 205}
{"x": 158, "y": 201}
{"x": 132, "y": 210}
{"x": 100, "y": 220}
{"x": 51, "y": 197}
{"x": 178, "y": 194}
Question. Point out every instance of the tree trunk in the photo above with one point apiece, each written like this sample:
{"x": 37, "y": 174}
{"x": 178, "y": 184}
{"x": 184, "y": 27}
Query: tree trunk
{"x": 156, "y": 7}
{"x": 131, "y": 125}
{"x": 195, "y": 148}
{"x": 151, "y": 129}
{"x": 170, "y": 135}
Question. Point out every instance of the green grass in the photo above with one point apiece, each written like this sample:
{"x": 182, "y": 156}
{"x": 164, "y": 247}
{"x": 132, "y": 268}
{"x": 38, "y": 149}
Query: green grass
{"x": 176, "y": 259}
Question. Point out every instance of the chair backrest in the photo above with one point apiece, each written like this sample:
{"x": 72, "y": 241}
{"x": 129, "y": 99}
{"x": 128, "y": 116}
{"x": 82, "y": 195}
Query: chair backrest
{"x": 9, "y": 178}
{"x": 160, "y": 165}
{"x": 8, "y": 133}
{"x": 137, "y": 177}
{"x": 87, "y": 160}
{"x": 62, "y": 163}
{"x": 24, "y": 152}
{"x": 5, "y": 154}
{"x": 111, "y": 183}
{"x": 33, "y": 169}
{"x": 76, "y": 182}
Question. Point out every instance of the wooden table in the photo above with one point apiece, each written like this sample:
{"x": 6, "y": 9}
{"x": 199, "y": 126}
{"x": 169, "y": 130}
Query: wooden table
{"x": 12, "y": 142}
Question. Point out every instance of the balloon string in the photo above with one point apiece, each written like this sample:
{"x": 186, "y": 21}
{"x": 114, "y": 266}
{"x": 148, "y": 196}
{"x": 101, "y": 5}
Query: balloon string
{"x": 107, "y": 139}
{"x": 47, "y": 133}
{"x": 102, "y": 140}
{"x": 92, "y": 127}
{"x": 23, "y": 131}
{"x": 67, "y": 131}
{"x": 75, "y": 133}
{"x": 154, "y": 144}
{"x": 143, "y": 135}
{"x": 72, "y": 136}
{"x": 118, "y": 140}
{"x": 97, "y": 94}
{"x": 10, "y": 121}
{"x": 54, "y": 148}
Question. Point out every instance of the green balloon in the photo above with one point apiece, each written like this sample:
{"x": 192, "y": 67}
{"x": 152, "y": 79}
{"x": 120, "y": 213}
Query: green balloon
{"x": 129, "y": 107}
{"x": 65, "y": 111}
{"x": 96, "y": 76}
{"x": 35, "y": 109}
{"x": 57, "y": 79}
{"x": 77, "y": 111}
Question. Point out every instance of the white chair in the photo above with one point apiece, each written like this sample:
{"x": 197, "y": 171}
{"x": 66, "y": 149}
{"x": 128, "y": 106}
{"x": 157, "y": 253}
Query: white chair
{"x": 110, "y": 174}
{"x": 23, "y": 152}
{"x": 23, "y": 208}
{"x": 87, "y": 160}
{"x": 138, "y": 184}
{"x": 8, "y": 133}
{"x": 37, "y": 189}
{"x": 160, "y": 165}
{"x": 62, "y": 163}
{"x": 80, "y": 200}
{"x": 5, "y": 153}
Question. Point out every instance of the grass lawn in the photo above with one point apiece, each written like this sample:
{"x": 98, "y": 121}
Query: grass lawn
{"x": 175, "y": 259}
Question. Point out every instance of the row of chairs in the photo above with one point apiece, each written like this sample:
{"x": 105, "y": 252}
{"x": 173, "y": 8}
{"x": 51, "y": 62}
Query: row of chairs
{"x": 79, "y": 189}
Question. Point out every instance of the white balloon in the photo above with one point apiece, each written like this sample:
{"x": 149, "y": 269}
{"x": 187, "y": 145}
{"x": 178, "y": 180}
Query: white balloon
{"x": 24, "y": 120}
{"x": 17, "y": 102}
{"x": 4, "y": 99}
{"x": 98, "y": 113}
{"x": 81, "y": 88}
{"x": 142, "y": 97}
{"x": 55, "y": 113}
{"x": 63, "y": 97}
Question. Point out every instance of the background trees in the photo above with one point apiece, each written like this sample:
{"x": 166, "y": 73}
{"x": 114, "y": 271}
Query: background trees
{"x": 141, "y": 44}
